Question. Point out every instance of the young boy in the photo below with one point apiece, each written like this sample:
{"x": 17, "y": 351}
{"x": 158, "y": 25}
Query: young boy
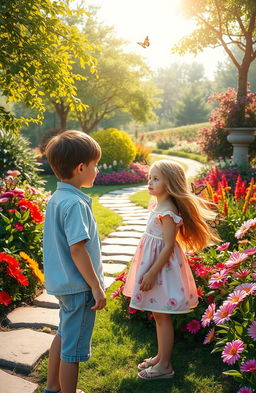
{"x": 72, "y": 260}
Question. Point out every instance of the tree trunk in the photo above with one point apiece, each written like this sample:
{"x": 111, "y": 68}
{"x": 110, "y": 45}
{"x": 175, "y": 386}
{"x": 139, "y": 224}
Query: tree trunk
{"x": 62, "y": 111}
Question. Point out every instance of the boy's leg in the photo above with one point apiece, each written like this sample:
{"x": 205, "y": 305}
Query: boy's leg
{"x": 68, "y": 376}
{"x": 53, "y": 383}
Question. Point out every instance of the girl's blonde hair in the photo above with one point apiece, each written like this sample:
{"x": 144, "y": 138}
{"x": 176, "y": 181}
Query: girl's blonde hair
{"x": 195, "y": 233}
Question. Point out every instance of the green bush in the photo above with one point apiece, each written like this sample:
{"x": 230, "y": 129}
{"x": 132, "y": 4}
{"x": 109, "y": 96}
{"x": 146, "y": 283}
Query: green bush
{"x": 17, "y": 155}
{"x": 192, "y": 156}
{"x": 116, "y": 145}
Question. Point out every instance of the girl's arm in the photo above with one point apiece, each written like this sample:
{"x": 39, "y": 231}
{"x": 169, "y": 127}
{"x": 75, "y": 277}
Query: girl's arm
{"x": 169, "y": 235}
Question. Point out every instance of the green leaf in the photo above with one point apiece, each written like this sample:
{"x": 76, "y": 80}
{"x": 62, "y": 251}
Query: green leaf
{"x": 233, "y": 373}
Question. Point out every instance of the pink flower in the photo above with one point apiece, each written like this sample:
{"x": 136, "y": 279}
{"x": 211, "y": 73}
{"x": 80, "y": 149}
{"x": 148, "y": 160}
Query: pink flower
{"x": 13, "y": 173}
{"x": 235, "y": 259}
{"x": 252, "y": 331}
{"x": 4, "y": 200}
{"x": 249, "y": 366}
{"x": 223, "y": 246}
{"x": 249, "y": 287}
{"x": 117, "y": 292}
{"x": 250, "y": 251}
{"x": 11, "y": 210}
{"x": 245, "y": 389}
{"x": 209, "y": 337}
{"x": 172, "y": 302}
{"x": 131, "y": 310}
{"x": 236, "y": 297}
{"x": 232, "y": 350}
{"x": 223, "y": 313}
{"x": 218, "y": 279}
{"x": 138, "y": 297}
{"x": 242, "y": 273}
{"x": 193, "y": 326}
{"x": 18, "y": 226}
{"x": 208, "y": 315}
{"x": 245, "y": 228}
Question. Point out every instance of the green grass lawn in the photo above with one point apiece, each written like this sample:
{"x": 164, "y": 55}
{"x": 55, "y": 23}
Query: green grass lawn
{"x": 119, "y": 344}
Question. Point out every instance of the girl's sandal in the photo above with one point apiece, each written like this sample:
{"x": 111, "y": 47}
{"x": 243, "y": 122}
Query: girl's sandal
{"x": 145, "y": 364}
{"x": 152, "y": 375}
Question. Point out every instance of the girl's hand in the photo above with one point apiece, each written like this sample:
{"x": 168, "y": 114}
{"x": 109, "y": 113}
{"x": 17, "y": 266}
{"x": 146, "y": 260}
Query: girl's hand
{"x": 147, "y": 282}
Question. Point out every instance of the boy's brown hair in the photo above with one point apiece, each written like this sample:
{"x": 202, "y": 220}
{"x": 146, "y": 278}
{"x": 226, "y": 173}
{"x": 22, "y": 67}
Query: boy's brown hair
{"x": 68, "y": 149}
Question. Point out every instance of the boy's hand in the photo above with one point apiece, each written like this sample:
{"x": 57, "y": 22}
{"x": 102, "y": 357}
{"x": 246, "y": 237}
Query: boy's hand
{"x": 147, "y": 282}
{"x": 99, "y": 297}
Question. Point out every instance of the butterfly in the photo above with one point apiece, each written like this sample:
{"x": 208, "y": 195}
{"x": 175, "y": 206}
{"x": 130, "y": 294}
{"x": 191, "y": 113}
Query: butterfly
{"x": 214, "y": 223}
{"x": 197, "y": 189}
{"x": 145, "y": 43}
{"x": 11, "y": 182}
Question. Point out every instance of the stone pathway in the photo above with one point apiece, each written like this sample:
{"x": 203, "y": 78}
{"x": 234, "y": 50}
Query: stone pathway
{"x": 29, "y": 332}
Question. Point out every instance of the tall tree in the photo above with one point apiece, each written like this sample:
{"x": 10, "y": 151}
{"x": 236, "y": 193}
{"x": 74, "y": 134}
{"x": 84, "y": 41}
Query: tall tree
{"x": 225, "y": 23}
{"x": 36, "y": 54}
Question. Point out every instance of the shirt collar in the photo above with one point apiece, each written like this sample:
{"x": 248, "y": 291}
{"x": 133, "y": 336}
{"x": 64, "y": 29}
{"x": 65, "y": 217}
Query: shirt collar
{"x": 66, "y": 186}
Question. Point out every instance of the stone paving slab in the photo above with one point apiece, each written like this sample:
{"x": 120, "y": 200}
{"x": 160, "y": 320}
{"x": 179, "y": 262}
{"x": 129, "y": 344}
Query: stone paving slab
{"x": 131, "y": 221}
{"x": 12, "y": 384}
{"x": 25, "y": 347}
{"x": 136, "y": 228}
{"x": 117, "y": 203}
{"x": 120, "y": 241}
{"x": 124, "y": 234}
{"x": 113, "y": 268}
{"x": 129, "y": 209}
{"x": 108, "y": 281}
{"x": 116, "y": 258}
{"x": 46, "y": 300}
{"x": 135, "y": 216}
{"x": 33, "y": 317}
{"x": 118, "y": 250}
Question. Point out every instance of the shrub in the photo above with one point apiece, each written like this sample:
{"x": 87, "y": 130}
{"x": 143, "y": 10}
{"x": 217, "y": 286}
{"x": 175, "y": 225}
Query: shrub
{"x": 136, "y": 173}
{"x": 21, "y": 218}
{"x": 16, "y": 154}
{"x": 116, "y": 145}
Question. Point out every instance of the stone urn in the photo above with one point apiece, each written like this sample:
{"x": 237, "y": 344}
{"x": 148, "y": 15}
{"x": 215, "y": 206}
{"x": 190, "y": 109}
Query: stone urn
{"x": 240, "y": 138}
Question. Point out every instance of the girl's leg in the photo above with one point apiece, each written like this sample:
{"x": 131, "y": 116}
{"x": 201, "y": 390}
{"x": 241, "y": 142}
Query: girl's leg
{"x": 53, "y": 383}
{"x": 165, "y": 339}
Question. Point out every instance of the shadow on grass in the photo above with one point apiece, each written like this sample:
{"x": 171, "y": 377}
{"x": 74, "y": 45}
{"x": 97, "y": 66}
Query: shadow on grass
{"x": 196, "y": 369}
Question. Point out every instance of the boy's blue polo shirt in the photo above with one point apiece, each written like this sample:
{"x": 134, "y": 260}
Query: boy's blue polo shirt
{"x": 68, "y": 220}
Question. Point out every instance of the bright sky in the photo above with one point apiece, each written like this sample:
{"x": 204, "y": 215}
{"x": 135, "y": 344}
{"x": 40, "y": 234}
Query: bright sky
{"x": 162, "y": 21}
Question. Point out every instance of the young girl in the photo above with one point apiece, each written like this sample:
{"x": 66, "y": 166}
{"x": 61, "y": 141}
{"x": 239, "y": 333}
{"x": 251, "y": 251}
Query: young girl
{"x": 160, "y": 279}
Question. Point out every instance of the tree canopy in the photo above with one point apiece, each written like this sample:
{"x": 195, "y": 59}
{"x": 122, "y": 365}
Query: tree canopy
{"x": 225, "y": 23}
{"x": 37, "y": 50}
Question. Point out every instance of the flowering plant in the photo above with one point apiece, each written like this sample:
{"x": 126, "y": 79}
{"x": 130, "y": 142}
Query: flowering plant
{"x": 21, "y": 218}
{"x": 136, "y": 173}
{"x": 231, "y": 113}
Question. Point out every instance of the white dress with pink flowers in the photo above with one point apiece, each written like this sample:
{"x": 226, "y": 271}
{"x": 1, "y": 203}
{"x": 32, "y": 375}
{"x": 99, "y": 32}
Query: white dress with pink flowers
{"x": 174, "y": 291}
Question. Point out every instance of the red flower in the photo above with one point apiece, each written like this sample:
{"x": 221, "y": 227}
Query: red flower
{"x": 5, "y": 298}
{"x": 11, "y": 261}
{"x": 18, "y": 226}
{"x": 200, "y": 292}
{"x": 33, "y": 208}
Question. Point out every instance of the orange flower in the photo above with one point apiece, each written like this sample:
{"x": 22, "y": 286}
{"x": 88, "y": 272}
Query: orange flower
{"x": 33, "y": 265}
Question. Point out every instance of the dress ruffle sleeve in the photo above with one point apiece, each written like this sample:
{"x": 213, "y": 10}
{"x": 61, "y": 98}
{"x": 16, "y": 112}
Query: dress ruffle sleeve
{"x": 176, "y": 219}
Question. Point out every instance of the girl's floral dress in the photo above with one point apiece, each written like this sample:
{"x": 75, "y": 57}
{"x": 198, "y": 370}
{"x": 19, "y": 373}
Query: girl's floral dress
{"x": 174, "y": 291}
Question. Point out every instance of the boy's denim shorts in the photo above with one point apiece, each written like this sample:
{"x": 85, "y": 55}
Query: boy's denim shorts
{"x": 76, "y": 326}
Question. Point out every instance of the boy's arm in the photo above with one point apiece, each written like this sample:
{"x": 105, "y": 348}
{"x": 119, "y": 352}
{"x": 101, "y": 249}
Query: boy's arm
{"x": 83, "y": 263}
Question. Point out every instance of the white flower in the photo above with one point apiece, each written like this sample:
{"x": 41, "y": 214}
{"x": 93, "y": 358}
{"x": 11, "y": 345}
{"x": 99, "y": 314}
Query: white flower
{"x": 104, "y": 166}
{"x": 114, "y": 162}
{"x": 110, "y": 166}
